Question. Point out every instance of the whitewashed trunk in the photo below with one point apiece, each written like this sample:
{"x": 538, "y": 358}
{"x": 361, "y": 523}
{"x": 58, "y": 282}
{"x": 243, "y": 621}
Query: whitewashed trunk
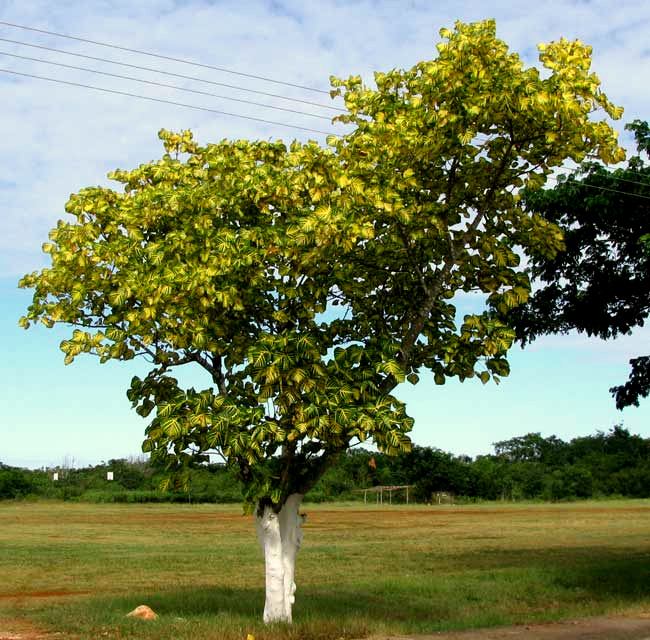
{"x": 280, "y": 535}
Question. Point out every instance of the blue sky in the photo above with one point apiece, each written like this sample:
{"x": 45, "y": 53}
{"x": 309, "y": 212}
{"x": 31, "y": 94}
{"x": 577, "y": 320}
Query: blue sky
{"x": 57, "y": 139}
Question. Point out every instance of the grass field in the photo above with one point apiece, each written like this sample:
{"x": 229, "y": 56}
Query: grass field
{"x": 79, "y": 568}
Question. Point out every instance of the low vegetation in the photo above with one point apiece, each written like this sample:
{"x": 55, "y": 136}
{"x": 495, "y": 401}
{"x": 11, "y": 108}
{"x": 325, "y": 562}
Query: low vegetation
{"x": 527, "y": 467}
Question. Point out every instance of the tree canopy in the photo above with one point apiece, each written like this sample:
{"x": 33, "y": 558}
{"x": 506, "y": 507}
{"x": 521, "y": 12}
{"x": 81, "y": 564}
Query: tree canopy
{"x": 307, "y": 282}
{"x": 599, "y": 283}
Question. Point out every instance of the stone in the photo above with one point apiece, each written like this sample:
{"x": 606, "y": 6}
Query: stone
{"x": 143, "y": 612}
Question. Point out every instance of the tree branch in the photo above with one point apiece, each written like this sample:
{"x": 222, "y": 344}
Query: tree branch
{"x": 441, "y": 276}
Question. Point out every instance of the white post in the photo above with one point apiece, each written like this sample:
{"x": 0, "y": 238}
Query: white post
{"x": 280, "y": 535}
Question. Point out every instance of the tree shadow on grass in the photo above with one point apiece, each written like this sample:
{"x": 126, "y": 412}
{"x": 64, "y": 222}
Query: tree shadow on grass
{"x": 478, "y": 589}
{"x": 358, "y": 606}
{"x": 207, "y": 601}
{"x": 597, "y": 571}
{"x": 492, "y": 587}
{"x": 208, "y": 613}
{"x": 501, "y": 580}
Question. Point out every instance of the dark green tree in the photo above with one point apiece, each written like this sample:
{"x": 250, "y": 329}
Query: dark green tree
{"x": 532, "y": 448}
{"x": 14, "y": 483}
{"x": 600, "y": 283}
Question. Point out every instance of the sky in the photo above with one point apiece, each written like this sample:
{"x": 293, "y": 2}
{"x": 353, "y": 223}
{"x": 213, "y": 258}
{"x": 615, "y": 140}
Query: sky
{"x": 58, "y": 138}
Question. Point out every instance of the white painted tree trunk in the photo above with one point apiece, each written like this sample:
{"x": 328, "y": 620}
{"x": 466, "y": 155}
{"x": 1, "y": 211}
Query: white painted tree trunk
{"x": 280, "y": 535}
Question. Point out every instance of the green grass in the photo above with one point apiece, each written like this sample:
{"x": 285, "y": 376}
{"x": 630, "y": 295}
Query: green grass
{"x": 79, "y": 568}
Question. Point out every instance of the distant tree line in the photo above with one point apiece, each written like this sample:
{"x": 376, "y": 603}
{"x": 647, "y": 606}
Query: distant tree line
{"x": 133, "y": 480}
{"x": 527, "y": 467}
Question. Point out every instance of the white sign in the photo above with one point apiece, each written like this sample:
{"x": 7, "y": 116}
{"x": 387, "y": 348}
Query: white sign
{"x": 109, "y": 475}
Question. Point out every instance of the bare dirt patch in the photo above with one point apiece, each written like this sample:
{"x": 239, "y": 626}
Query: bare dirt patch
{"x": 24, "y": 630}
{"x": 599, "y": 628}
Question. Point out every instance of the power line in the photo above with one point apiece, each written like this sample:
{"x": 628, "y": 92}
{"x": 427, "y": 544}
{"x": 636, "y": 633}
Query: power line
{"x": 207, "y": 109}
{"x": 162, "y": 57}
{"x": 162, "y": 84}
{"x": 612, "y": 177}
{"x": 151, "y": 99}
{"x": 593, "y": 186}
{"x": 175, "y": 75}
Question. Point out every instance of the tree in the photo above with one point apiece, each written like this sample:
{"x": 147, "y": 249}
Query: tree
{"x": 128, "y": 474}
{"x": 600, "y": 283}
{"x": 308, "y": 282}
{"x": 526, "y": 448}
{"x": 533, "y": 448}
{"x": 14, "y": 483}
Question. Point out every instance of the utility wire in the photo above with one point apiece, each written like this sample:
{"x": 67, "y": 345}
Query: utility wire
{"x": 282, "y": 124}
{"x": 151, "y": 99}
{"x": 170, "y": 73}
{"x": 162, "y": 84}
{"x": 611, "y": 176}
{"x": 162, "y": 57}
{"x": 195, "y": 107}
{"x": 236, "y": 115}
{"x": 593, "y": 186}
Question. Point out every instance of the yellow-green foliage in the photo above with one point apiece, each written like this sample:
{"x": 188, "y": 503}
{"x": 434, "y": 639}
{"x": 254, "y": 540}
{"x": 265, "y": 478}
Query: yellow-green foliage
{"x": 235, "y": 257}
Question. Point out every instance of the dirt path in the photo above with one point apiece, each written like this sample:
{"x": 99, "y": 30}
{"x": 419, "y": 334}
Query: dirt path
{"x": 603, "y": 628}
